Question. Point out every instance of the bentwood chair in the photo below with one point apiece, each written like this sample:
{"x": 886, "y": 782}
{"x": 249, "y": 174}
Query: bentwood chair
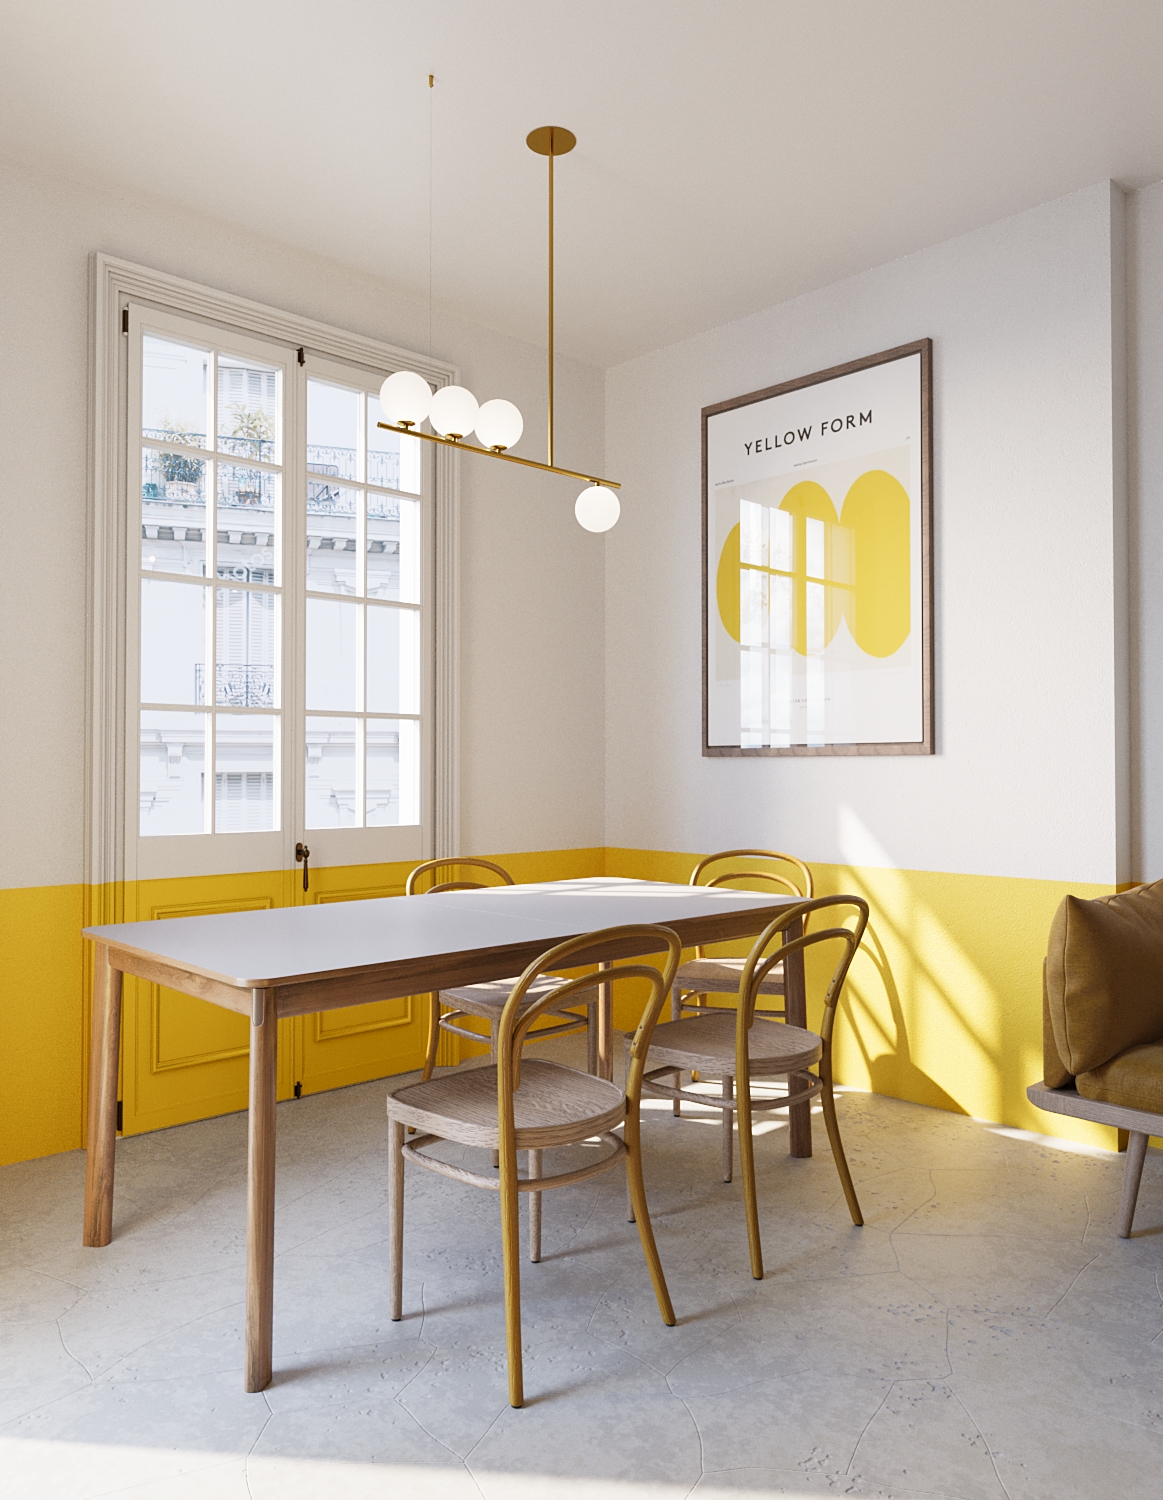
{"x": 742, "y": 1044}
{"x": 528, "y": 1104}
{"x": 702, "y": 976}
{"x": 448, "y": 1009}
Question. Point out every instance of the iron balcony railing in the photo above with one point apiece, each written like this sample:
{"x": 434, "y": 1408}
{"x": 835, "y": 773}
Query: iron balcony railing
{"x": 244, "y": 686}
{"x": 180, "y": 478}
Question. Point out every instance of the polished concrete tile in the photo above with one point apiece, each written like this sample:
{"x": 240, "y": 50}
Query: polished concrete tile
{"x": 985, "y": 1336}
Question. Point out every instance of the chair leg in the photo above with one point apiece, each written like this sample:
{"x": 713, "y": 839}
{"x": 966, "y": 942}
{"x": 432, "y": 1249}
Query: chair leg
{"x": 433, "y": 1037}
{"x": 592, "y": 1038}
{"x": 511, "y": 1257}
{"x": 535, "y": 1209}
{"x": 396, "y": 1218}
{"x": 494, "y": 1032}
{"x": 675, "y": 1015}
{"x": 1136, "y": 1155}
{"x": 728, "y": 1130}
{"x": 632, "y": 1134}
{"x": 431, "y": 1045}
{"x": 833, "y": 1127}
{"x": 747, "y": 1169}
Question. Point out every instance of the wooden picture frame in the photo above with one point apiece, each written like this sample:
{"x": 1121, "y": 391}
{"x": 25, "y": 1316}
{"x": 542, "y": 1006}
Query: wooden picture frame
{"x": 831, "y": 623}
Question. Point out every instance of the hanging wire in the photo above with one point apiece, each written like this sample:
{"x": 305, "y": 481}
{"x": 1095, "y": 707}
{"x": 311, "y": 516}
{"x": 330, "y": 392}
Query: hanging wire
{"x": 431, "y": 88}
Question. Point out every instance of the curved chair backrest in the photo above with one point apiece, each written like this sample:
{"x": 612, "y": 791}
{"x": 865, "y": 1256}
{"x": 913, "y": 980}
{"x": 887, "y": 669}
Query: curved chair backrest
{"x": 799, "y": 885}
{"x": 430, "y": 866}
{"x": 597, "y": 947}
{"x": 797, "y": 880}
{"x": 760, "y": 963}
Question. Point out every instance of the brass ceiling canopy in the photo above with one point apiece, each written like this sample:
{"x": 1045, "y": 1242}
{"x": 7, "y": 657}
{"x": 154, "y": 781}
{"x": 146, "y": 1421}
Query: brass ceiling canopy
{"x": 551, "y": 140}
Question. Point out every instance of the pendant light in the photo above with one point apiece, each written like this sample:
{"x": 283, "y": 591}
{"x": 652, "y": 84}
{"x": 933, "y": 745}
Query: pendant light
{"x": 453, "y": 414}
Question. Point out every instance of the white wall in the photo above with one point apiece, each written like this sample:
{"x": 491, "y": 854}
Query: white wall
{"x": 532, "y": 580}
{"x": 1029, "y": 778}
{"x": 1145, "y": 340}
{"x": 1025, "y": 317}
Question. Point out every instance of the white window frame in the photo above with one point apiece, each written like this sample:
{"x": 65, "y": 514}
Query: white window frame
{"x": 111, "y": 814}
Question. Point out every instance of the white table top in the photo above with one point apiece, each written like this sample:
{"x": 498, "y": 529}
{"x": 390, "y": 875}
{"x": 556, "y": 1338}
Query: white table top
{"x": 251, "y": 949}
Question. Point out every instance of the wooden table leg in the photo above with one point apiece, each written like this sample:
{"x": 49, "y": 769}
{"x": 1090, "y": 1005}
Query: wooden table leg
{"x": 102, "y": 1138}
{"x": 260, "y": 1192}
{"x": 796, "y": 1000}
{"x": 605, "y": 1027}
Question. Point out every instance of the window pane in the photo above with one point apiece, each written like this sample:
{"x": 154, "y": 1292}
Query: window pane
{"x": 247, "y": 625}
{"x": 393, "y": 773}
{"x": 331, "y": 778}
{"x": 173, "y": 512}
{"x": 174, "y": 391}
{"x": 248, "y": 522}
{"x": 393, "y": 661}
{"x": 173, "y": 760}
{"x": 173, "y": 642}
{"x": 393, "y": 548}
{"x": 331, "y": 533}
{"x": 393, "y": 460}
{"x": 248, "y": 407}
{"x": 331, "y": 654}
{"x": 244, "y": 773}
{"x": 332, "y": 428}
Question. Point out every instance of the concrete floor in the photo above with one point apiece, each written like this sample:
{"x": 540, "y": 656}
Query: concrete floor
{"x": 984, "y": 1336}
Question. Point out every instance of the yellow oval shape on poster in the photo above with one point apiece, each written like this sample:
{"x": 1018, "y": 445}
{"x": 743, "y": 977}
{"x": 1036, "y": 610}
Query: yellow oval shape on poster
{"x": 866, "y": 564}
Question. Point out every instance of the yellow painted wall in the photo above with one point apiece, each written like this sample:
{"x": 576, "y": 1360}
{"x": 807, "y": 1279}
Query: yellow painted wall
{"x": 944, "y": 1004}
{"x": 45, "y": 991}
{"x": 943, "y": 1008}
{"x": 41, "y": 986}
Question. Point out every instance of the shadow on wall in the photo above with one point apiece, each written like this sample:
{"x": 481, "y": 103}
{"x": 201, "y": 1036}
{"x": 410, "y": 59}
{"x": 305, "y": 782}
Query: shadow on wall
{"x": 893, "y": 1071}
{"x": 944, "y": 1003}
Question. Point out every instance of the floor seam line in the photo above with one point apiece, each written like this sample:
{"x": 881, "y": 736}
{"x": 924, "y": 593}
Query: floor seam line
{"x": 1070, "y": 1288}
{"x": 984, "y": 1439}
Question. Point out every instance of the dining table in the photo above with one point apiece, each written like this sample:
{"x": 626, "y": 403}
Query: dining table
{"x": 299, "y": 960}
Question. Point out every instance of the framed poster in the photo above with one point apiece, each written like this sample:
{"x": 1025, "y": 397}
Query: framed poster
{"x": 817, "y": 563}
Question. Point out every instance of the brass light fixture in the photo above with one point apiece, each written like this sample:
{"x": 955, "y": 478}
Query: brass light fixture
{"x": 453, "y": 412}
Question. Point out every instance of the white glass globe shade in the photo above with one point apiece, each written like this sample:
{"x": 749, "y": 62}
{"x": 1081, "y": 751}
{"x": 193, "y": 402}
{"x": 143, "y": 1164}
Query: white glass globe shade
{"x": 453, "y": 412}
{"x": 597, "y": 508}
{"x": 499, "y": 425}
{"x": 405, "y": 398}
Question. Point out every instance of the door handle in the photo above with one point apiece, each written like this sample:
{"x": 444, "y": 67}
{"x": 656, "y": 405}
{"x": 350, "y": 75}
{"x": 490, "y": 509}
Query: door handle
{"x": 303, "y": 857}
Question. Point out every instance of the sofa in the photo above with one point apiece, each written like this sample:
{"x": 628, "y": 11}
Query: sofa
{"x": 1102, "y": 1021}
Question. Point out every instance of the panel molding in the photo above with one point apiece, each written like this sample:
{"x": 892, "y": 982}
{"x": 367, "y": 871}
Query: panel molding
{"x": 321, "y": 1032}
{"x": 194, "y": 1059}
{"x": 325, "y": 1033}
{"x": 362, "y": 893}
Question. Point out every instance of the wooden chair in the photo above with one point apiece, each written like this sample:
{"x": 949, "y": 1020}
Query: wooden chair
{"x": 486, "y": 1001}
{"x": 531, "y": 1105}
{"x": 741, "y": 1044}
{"x": 701, "y": 977}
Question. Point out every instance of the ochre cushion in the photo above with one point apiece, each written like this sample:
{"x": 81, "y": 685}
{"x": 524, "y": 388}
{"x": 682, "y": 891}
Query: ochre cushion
{"x": 1055, "y": 1073}
{"x": 1133, "y": 1079}
{"x": 1104, "y": 976}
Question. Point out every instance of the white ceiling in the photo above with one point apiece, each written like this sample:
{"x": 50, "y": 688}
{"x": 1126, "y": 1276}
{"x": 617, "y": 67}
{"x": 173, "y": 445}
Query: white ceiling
{"x": 729, "y": 155}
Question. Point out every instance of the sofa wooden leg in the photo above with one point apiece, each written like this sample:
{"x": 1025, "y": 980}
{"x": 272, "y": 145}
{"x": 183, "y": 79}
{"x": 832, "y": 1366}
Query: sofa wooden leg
{"x": 1136, "y": 1154}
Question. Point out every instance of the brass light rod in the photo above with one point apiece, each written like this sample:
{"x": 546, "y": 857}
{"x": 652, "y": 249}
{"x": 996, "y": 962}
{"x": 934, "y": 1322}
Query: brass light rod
{"x": 551, "y": 141}
{"x": 551, "y": 154}
{"x": 510, "y": 458}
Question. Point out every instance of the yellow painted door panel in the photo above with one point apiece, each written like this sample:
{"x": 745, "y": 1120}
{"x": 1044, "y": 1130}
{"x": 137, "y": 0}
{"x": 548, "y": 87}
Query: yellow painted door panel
{"x": 185, "y": 1059}
{"x": 360, "y": 1042}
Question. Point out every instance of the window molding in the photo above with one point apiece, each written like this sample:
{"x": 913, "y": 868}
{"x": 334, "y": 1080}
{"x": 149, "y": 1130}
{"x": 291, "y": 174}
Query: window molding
{"x": 113, "y": 284}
